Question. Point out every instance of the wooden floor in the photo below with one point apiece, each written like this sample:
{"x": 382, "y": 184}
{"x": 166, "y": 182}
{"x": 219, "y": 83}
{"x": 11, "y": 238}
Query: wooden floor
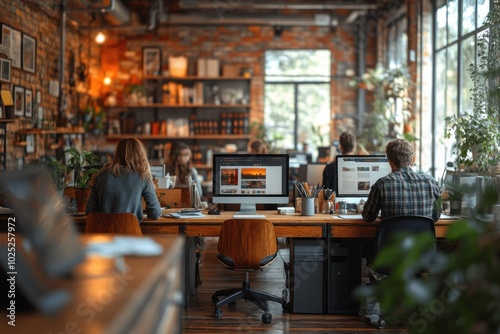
{"x": 246, "y": 317}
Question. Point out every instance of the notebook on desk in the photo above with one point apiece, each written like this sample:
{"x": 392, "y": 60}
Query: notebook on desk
{"x": 351, "y": 216}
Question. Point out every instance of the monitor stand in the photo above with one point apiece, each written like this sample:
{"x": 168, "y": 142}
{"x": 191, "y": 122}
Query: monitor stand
{"x": 247, "y": 209}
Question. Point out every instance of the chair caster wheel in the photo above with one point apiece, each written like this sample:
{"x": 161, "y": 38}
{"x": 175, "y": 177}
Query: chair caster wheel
{"x": 285, "y": 306}
{"x": 381, "y": 324}
{"x": 267, "y": 318}
{"x": 215, "y": 299}
{"x": 218, "y": 313}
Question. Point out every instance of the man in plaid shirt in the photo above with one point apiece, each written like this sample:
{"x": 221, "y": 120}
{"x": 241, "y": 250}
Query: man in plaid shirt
{"x": 403, "y": 192}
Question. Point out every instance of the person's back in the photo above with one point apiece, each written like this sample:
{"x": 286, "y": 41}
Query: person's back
{"x": 404, "y": 191}
{"x": 120, "y": 185}
{"x": 347, "y": 143}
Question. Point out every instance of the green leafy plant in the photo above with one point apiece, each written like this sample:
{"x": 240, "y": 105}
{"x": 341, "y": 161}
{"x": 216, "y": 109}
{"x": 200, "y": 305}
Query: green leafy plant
{"x": 76, "y": 162}
{"x": 477, "y": 132}
{"x": 391, "y": 104}
{"x": 56, "y": 170}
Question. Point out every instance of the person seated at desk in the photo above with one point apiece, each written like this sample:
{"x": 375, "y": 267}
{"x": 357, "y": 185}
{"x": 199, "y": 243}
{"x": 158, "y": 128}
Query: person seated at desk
{"x": 404, "y": 191}
{"x": 257, "y": 146}
{"x": 347, "y": 145}
{"x": 122, "y": 183}
{"x": 182, "y": 166}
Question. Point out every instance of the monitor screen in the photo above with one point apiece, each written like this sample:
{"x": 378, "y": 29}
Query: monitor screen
{"x": 312, "y": 173}
{"x": 41, "y": 216}
{"x": 250, "y": 179}
{"x": 357, "y": 173}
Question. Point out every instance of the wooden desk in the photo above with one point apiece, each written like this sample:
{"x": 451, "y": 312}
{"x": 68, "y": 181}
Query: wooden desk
{"x": 293, "y": 226}
{"x": 105, "y": 300}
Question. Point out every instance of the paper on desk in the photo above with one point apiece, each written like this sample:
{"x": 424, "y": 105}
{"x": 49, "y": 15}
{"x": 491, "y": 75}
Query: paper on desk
{"x": 178, "y": 215}
{"x": 351, "y": 216}
{"x": 123, "y": 245}
{"x": 448, "y": 217}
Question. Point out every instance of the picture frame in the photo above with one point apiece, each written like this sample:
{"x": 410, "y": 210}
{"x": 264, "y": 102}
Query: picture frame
{"x": 2, "y": 115}
{"x": 18, "y": 93}
{"x": 28, "y": 102}
{"x": 30, "y": 143}
{"x": 5, "y": 65}
{"x": 11, "y": 40}
{"x": 38, "y": 97}
{"x": 29, "y": 53}
{"x": 151, "y": 61}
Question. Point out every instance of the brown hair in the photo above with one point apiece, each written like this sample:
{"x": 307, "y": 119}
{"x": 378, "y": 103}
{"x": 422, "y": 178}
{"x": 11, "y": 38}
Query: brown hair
{"x": 348, "y": 142}
{"x": 130, "y": 156}
{"x": 400, "y": 152}
{"x": 181, "y": 170}
{"x": 257, "y": 146}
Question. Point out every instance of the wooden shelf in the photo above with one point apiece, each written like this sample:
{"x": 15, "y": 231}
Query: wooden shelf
{"x": 4, "y": 120}
{"x": 56, "y": 131}
{"x": 195, "y": 78}
{"x": 167, "y": 137}
{"x": 203, "y": 166}
{"x": 182, "y": 106}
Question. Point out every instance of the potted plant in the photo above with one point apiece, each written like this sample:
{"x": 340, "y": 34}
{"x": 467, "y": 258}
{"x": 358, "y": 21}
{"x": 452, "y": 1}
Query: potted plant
{"x": 77, "y": 162}
{"x": 477, "y": 133}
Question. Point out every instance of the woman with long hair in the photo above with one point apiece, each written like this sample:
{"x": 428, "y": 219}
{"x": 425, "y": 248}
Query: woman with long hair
{"x": 122, "y": 183}
{"x": 181, "y": 165}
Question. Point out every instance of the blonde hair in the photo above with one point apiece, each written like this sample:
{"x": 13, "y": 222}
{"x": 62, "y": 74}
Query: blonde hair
{"x": 130, "y": 156}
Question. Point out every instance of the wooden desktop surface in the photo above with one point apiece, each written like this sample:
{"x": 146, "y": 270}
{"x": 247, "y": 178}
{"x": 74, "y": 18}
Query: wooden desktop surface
{"x": 106, "y": 300}
{"x": 293, "y": 226}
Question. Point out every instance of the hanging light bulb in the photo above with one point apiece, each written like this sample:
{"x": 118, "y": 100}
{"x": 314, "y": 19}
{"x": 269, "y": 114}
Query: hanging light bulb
{"x": 100, "y": 38}
{"x": 107, "y": 81}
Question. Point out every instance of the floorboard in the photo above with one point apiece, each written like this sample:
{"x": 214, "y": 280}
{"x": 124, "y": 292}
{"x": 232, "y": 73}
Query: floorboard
{"x": 246, "y": 317}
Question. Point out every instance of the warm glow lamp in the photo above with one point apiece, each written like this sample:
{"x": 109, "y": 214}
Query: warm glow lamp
{"x": 100, "y": 38}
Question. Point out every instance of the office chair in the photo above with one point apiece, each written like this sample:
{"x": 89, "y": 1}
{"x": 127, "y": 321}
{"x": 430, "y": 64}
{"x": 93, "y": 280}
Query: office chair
{"x": 117, "y": 223}
{"x": 385, "y": 231}
{"x": 247, "y": 244}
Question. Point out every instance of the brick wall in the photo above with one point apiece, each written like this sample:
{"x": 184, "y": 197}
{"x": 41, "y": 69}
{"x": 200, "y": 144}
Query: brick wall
{"x": 41, "y": 20}
{"x": 243, "y": 46}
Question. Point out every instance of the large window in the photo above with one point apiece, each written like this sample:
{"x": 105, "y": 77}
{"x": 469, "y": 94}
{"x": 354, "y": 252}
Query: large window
{"x": 297, "y": 99}
{"x": 457, "y": 25}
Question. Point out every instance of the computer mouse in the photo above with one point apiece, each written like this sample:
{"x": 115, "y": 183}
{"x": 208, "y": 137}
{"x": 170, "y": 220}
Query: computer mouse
{"x": 213, "y": 212}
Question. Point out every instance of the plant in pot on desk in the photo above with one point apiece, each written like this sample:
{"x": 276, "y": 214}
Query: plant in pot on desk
{"x": 77, "y": 162}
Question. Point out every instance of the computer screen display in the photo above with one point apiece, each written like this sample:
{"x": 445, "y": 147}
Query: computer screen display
{"x": 357, "y": 173}
{"x": 250, "y": 179}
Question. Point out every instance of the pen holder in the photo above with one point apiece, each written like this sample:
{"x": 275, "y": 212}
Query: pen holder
{"x": 308, "y": 206}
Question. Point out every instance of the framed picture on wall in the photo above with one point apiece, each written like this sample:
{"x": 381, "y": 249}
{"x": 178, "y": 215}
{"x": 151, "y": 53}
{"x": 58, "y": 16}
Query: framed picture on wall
{"x": 30, "y": 143}
{"x": 18, "y": 93}
{"x": 29, "y": 53}
{"x": 11, "y": 40}
{"x": 2, "y": 115}
{"x": 28, "y": 102}
{"x": 4, "y": 70}
{"x": 151, "y": 61}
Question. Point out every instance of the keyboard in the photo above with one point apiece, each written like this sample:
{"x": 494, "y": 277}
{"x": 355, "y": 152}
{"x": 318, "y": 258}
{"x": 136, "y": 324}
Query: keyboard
{"x": 243, "y": 216}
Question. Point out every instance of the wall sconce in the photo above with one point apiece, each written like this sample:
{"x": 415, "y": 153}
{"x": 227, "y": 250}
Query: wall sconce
{"x": 100, "y": 38}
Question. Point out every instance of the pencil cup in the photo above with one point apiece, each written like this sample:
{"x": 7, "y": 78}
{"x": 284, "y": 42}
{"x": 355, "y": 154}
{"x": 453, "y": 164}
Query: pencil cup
{"x": 308, "y": 206}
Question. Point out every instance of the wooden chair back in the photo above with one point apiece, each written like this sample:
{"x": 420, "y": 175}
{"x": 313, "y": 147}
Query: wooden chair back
{"x": 247, "y": 243}
{"x": 116, "y": 223}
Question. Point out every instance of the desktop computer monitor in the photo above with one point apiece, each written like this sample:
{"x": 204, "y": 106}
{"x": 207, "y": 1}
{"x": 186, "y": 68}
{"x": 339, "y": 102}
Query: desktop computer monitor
{"x": 250, "y": 179}
{"x": 357, "y": 173}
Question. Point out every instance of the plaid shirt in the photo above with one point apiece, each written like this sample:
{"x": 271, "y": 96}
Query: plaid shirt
{"x": 403, "y": 193}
